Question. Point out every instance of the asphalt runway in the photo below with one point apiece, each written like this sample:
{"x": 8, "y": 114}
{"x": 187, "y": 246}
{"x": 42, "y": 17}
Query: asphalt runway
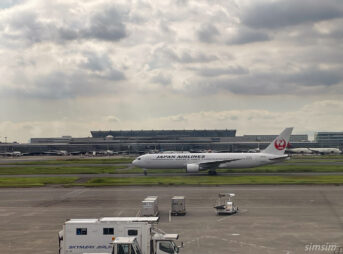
{"x": 272, "y": 219}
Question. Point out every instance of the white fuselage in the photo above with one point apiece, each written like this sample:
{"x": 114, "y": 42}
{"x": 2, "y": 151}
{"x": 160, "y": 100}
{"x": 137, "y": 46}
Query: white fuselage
{"x": 181, "y": 160}
{"x": 325, "y": 150}
{"x": 314, "y": 150}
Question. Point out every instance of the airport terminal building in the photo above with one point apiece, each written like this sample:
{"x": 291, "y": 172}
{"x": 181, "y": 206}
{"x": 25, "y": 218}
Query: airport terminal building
{"x": 329, "y": 139}
{"x": 145, "y": 141}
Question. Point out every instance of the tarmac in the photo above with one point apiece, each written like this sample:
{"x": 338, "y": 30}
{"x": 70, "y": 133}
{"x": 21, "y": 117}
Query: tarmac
{"x": 271, "y": 219}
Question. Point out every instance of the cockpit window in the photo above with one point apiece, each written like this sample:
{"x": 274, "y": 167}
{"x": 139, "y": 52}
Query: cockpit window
{"x": 139, "y": 159}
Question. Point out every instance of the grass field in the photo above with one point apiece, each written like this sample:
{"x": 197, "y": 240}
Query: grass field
{"x": 288, "y": 168}
{"x": 101, "y": 165}
{"x": 122, "y": 169}
{"x": 264, "y": 169}
{"x": 108, "y": 165}
{"x": 210, "y": 180}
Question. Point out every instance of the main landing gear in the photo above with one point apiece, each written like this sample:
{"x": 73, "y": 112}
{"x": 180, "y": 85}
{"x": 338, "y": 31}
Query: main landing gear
{"x": 212, "y": 172}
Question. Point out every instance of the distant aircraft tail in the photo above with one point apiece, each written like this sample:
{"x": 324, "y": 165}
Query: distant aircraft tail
{"x": 279, "y": 145}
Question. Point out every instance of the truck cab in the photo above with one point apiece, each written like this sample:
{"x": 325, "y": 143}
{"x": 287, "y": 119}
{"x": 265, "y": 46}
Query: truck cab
{"x": 129, "y": 245}
{"x": 165, "y": 243}
{"x": 126, "y": 245}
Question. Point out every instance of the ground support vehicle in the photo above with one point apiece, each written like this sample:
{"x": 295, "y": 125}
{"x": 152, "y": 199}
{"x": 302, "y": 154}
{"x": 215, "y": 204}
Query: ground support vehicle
{"x": 225, "y": 204}
{"x": 178, "y": 205}
{"x": 97, "y": 235}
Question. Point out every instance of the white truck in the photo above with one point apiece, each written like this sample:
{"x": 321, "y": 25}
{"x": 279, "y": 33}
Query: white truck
{"x": 98, "y": 235}
{"x": 129, "y": 245}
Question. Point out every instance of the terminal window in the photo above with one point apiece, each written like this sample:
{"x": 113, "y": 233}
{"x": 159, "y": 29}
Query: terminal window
{"x": 81, "y": 231}
{"x": 108, "y": 231}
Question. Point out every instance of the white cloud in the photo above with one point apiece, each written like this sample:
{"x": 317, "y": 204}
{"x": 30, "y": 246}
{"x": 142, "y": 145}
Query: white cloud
{"x": 167, "y": 60}
{"x": 113, "y": 119}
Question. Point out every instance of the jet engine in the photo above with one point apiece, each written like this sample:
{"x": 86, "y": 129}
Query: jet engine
{"x": 193, "y": 168}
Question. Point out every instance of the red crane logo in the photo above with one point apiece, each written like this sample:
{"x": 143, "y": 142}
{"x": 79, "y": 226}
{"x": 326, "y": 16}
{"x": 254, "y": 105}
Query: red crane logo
{"x": 280, "y": 144}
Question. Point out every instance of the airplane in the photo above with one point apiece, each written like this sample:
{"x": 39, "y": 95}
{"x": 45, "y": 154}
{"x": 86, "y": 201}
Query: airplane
{"x": 57, "y": 152}
{"x": 14, "y": 153}
{"x": 255, "y": 150}
{"x": 323, "y": 151}
{"x": 299, "y": 151}
{"x": 107, "y": 152}
{"x": 195, "y": 162}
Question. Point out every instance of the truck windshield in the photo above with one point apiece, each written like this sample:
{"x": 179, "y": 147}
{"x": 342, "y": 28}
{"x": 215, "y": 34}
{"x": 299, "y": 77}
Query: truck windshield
{"x": 167, "y": 247}
{"x": 123, "y": 249}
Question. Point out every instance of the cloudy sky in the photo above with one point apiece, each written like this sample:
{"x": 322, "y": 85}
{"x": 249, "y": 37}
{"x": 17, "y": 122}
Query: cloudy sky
{"x": 68, "y": 67}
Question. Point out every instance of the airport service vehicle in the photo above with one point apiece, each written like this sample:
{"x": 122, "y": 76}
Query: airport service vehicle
{"x": 150, "y": 206}
{"x": 225, "y": 204}
{"x": 129, "y": 245}
{"x": 97, "y": 235}
{"x": 195, "y": 162}
{"x": 178, "y": 205}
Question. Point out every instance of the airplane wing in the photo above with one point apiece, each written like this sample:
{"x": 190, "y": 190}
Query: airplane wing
{"x": 214, "y": 164}
{"x": 76, "y": 153}
{"x": 314, "y": 151}
{"x": 7, "y": 153}
{"x": 52, "y": 153}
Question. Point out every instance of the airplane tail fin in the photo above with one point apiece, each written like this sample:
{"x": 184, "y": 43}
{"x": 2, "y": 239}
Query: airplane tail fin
{"x": 279, "y": 144}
